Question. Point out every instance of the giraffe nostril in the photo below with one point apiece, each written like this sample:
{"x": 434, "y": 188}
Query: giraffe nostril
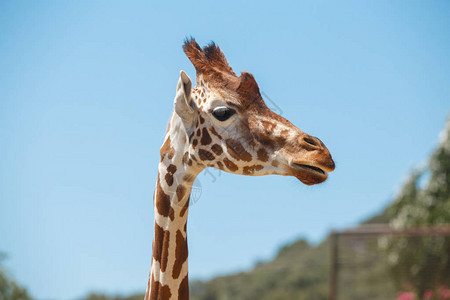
{"x": 311, "y": 141}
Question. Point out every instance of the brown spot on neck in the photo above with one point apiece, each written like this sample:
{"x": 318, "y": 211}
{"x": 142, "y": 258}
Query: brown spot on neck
{"x": 162, "y": 202}
{"x": 262, "y": 155}
{"x": 217, "y": 149}
{"x": 183, "y": 291}
{"x": 171, "y": 214}
{"x": 171, "y": 169}
{"x": 181, "y": 254}
{"x": 237, "y": 151}
{"x": 161, "y": 246}
{"x": 230, "y": 165}
{"x": 159, "y": 291}
{"x": 206, "y": 138}
{"x": 250, "y": 170}
{"x": 205, "y": 154}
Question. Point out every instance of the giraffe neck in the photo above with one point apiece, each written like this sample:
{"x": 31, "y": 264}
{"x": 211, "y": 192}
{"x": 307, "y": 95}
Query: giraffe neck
{"x": 176, "y": 173}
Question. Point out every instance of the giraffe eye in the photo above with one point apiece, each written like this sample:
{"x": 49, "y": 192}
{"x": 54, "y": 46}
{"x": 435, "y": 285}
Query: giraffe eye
{"x": 223, "y": 113}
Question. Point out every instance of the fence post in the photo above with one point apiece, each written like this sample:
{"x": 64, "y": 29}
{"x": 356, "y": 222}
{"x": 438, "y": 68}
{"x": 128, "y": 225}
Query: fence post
{"x": 333, "y": 266}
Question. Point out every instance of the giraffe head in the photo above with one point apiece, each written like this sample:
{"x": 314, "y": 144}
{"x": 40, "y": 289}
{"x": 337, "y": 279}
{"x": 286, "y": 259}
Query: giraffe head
{"x": 228, "y": 126}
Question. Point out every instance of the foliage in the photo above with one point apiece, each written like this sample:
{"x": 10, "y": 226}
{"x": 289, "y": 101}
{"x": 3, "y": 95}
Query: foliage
{"x": 9, "y": 289}
{"x": 423, "y": 262}
{"x": 99, "y": 296}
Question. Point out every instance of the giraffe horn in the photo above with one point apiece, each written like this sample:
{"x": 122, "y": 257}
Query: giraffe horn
{"x": 210, "y": 58}
{"x": 196, "y": 55}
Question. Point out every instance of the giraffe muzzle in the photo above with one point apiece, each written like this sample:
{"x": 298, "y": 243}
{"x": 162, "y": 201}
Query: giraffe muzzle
{"x": 308, "y": 174}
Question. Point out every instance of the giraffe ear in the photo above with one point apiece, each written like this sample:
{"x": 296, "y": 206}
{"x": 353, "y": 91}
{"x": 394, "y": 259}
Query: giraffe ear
{"x": 183, "y": 104}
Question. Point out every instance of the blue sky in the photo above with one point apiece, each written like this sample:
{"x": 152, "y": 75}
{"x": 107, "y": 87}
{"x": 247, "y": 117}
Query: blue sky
{"x": 86, "y": 90}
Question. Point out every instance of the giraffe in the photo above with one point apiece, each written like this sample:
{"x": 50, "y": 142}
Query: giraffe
{"x": 222, "y": 123}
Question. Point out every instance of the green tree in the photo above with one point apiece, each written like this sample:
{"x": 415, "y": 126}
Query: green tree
{"x": 423, "y": 262}
{"x": 99, "y": 296}
{"x": 9, "y": 289}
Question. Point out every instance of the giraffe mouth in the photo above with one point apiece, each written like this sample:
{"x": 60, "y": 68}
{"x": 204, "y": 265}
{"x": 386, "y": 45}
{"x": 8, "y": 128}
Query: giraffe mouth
{"x": 309, "y": 174}
{"x": 311, "y": 168}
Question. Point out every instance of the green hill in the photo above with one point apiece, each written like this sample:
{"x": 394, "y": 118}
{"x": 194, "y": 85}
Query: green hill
{"x": 299, "y": 271}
